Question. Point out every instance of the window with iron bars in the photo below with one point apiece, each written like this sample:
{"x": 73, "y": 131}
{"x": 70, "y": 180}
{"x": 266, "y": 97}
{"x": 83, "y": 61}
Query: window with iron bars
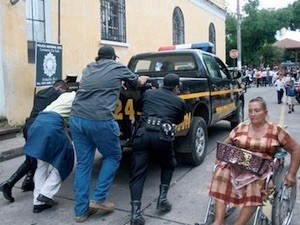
{"x": 36, "y": 30}
{"x": 178, "y": 26}
{"x": 113, "y": 20}
{"x": 212, "y": 35}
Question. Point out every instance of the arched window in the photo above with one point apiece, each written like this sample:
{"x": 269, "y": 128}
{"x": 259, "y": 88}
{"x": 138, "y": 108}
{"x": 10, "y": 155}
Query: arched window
{"x": 178, "y": 26}
{"x": 113, "y": 20}
{"x": 212, "y": 34}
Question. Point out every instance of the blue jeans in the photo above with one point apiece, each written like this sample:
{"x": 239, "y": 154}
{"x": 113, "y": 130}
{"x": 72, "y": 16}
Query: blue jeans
{"x": 87, "y": 136}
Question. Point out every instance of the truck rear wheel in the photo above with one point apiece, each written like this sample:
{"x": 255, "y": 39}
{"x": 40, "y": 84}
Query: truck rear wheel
{"x": 195, "y": 142}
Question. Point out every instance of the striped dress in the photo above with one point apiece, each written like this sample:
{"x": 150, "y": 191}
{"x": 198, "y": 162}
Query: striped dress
{"x": 221, "y": 188}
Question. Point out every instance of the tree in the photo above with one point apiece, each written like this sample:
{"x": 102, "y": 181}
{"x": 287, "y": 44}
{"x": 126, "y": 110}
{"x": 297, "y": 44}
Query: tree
{"x": 258, "y": 29}
{"x": 296, "y": 12}
{"x": 271, "y": 55}
{"x": 251, "y": 7}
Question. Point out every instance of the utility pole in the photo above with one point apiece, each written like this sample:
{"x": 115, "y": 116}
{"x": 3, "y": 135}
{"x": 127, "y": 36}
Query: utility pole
{"x": 239, "y": 45}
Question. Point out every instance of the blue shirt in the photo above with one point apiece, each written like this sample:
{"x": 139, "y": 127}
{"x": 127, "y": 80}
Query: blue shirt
{"x": 290, "y": 91}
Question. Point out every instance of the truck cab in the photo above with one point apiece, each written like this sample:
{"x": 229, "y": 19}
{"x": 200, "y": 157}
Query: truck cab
{"x": 210, "y": 92}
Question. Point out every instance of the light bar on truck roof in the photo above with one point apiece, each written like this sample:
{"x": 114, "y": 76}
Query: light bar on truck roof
{"x": 204, "y": 46}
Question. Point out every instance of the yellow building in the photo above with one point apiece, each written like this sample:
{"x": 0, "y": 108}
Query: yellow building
{"x": 81, "y": 27}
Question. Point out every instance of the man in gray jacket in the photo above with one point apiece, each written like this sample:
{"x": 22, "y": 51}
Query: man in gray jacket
{"x": 93, "y": 126}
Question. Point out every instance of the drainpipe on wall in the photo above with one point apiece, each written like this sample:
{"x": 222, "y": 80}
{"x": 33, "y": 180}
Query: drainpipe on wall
{"x": 2, "y": 86}
{"x": 58, "y": 19}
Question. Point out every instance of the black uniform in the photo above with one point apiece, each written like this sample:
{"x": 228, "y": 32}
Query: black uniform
{"x": 160, "y": 106}
{"x": 41, "y": 100}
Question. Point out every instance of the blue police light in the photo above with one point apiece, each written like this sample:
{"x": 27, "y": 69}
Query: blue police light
{"x": 204, "y": 46}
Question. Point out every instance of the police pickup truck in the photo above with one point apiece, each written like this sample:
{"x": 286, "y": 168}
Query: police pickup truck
{"x": 209, "y": 90}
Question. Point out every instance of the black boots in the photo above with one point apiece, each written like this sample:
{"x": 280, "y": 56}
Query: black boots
{"x": 6, "y": 189}
{"x": 8, "y": 185}
{"x": 136, "y": 216}
{"x": 162, "y": 203}
{"x": 28, "y": 183}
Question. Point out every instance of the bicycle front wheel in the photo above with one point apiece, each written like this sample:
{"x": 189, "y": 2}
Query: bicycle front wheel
{"x": 284, "y": 200}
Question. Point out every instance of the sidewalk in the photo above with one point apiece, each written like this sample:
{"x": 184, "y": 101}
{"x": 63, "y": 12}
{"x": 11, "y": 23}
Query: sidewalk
{"x": 11, "y": 146}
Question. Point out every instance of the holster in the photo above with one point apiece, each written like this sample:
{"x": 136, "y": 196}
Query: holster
{"x": 167, "y": 132}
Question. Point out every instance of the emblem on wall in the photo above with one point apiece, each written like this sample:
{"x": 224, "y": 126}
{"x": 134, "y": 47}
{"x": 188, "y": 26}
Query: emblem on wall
{"x": 49, "y": 64}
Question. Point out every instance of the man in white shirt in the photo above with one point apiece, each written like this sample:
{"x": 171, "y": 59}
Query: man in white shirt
{"x": 49, "y": 143}
{"x": 271, "y": 74}
{"x": 264, "y": 77}
{"x": 280, "y": 89}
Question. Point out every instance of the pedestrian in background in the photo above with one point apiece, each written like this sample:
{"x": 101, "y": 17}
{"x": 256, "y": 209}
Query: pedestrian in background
{"x": 49, "y": 143}
{"x": 248, "y": 77}
{"x": 289, "y": 77}
{"x": 291, "y": 92}
{"x": 161, "y": 108}
{"x": 279, "y": 83}
{"x": 275, "y": 75}
{"x": 41, "y": 99}
{"x": 258, "y": 76}
{"x": 93, "y": 127}
{"x": 270, "y": 74}
{"x": 264, "y": 77}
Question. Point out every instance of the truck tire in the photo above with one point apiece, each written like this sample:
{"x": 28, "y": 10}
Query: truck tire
{"x": 195, "y": 143}
{"x": 238, "y": 115}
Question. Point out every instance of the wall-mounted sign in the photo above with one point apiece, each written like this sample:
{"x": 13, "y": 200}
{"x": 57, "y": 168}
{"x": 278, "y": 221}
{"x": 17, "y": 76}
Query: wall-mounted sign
{"x": 48, "y": 64}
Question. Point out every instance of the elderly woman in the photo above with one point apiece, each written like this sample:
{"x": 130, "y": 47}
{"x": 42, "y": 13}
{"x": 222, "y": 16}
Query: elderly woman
{"x": 261, "y": 137}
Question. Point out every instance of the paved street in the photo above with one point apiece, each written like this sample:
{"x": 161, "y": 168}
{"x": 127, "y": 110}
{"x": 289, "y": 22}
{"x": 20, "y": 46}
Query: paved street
{"x": 188, "y": 192}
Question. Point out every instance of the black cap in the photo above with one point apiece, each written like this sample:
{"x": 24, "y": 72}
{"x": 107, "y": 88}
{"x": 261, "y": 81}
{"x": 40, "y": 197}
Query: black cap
{"x": 107, "y": 52}
{"x": 171, "y": 80}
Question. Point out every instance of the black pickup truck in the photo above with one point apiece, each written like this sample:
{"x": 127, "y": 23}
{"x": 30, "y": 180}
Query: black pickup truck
{"x": 209, "y": 90}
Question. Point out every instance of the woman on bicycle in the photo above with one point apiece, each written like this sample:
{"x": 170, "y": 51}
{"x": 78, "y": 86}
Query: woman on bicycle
{"x": 264, "y": 138}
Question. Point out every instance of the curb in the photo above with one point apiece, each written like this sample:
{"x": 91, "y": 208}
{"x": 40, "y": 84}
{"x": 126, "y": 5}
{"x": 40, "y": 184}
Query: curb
{"x": 10, "y": 154}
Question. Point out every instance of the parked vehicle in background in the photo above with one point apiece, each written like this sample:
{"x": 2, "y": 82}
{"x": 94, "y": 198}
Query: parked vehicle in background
{"x": 210, "y": 91}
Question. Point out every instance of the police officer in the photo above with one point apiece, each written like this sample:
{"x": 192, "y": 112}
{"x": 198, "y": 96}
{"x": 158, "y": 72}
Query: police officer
{"x": 161, "y": 108}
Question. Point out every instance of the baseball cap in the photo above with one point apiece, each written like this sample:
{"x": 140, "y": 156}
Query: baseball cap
{"x": 171, "y": 80}
{"x": 107, "y": 52}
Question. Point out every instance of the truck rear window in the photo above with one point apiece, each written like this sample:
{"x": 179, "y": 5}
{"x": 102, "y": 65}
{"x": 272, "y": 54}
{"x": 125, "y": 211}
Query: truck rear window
{"x": 165, "y": 63}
